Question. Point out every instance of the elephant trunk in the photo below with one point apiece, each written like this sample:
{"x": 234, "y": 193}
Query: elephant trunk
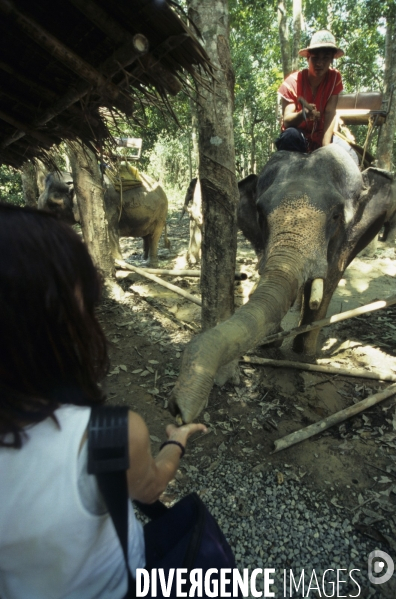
{"x": 259, "y": 317}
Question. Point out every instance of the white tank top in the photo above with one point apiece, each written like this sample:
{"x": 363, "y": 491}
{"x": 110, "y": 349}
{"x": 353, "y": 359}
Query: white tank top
{"x": 51, "y": 546}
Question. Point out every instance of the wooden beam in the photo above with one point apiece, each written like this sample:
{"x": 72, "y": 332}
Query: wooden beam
{"x": 36, "y": 87}
{"x": 117, "y": 33}
{"x": 136, "y": 47}
{"x": 75, "y": 93}
{"x": 23, "y": 101}
{"x": 41, "y": 90}
{"x": 103, "y": 21}
{"x": 66, "y": 56}
{"x": 27, "y": 129}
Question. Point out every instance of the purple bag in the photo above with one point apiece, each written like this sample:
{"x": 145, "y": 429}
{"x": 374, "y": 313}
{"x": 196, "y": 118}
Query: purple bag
{"x": 183, "y": 536}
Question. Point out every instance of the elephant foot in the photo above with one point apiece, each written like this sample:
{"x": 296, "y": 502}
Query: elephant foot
{"x": 150, "y": 263}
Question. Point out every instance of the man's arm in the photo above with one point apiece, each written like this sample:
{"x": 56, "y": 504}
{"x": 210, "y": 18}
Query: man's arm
{"x": 329, "y": 120}
{"x": 293, "y": 117}
{"x": 147, "y": 476}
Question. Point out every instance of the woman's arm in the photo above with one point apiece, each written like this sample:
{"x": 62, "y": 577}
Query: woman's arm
{"x": 147, "y": 476}
{"x": 329, "y": 120}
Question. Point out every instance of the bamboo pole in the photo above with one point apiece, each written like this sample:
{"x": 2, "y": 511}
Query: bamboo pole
{"x": 319, "y": 324}
{"x": 174, "y": 288}
{"x": 379, "y": 375}
{"x": 173, "y": 273}
{"x": 322, "y": 425}
{"x": 239, "y": 276}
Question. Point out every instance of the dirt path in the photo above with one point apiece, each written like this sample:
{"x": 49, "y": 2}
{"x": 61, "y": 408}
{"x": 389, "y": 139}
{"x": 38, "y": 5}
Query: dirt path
{"x": 353, "y": 463}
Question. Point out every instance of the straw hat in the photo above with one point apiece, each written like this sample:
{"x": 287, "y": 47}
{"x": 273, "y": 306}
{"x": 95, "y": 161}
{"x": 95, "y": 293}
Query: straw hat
{"x": 322, "y": 39}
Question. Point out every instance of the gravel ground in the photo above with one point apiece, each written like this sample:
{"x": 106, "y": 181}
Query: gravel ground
{"x": 286, "y": 526}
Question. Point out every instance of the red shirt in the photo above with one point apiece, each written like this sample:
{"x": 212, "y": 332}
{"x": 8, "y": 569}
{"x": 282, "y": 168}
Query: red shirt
{"x": 296, "y": 85}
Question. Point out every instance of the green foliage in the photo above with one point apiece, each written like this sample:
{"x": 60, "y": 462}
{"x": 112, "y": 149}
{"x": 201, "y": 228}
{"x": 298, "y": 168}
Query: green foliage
{"x": 11, "y": 186}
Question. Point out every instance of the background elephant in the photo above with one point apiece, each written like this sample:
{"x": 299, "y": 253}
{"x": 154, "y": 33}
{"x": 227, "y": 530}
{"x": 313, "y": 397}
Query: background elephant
{"x": 307, "y": 215}
{"x": 193, "y": 206}
{"x": 139, "y": 212}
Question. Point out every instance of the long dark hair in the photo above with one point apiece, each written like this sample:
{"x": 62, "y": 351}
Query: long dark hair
{"x": 52, "y": 348}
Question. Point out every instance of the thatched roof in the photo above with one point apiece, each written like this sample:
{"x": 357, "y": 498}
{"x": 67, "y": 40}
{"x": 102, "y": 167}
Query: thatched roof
{"x": 62, "y": 62}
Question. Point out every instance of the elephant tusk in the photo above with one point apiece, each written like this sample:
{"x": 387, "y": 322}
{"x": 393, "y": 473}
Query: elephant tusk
{"x": 316, "y": 294}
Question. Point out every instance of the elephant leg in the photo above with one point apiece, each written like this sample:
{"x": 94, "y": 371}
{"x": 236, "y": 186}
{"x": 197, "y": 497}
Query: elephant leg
{"x": 194, "y": 248}
{"x": 146, "y": 247}
{"x": 167, "y": 243}
{"x": 391, "y": 236}
{"x": 370, "y": 248}
{"x": 307, "y": 343}
{"x": 151, "y": 249}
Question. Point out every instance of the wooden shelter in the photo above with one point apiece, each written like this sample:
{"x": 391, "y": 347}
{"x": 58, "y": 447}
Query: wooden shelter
{"x": 67, "y": 66}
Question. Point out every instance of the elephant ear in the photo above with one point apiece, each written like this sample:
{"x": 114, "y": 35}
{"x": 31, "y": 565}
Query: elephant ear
{"x": 247, "y": 212}
{"x": 248, "y": 188}
{"x": 369, "y": 213}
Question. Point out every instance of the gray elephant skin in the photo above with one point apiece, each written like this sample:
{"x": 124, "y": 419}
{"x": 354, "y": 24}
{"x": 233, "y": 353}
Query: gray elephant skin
{"x": 307, "y": 216}
{"x": 141, "y": 212}
{"x": 193, "y": 206}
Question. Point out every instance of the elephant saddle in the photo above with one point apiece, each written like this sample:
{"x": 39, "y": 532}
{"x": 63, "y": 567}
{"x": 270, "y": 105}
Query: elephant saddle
{"x": 124, "y": 176}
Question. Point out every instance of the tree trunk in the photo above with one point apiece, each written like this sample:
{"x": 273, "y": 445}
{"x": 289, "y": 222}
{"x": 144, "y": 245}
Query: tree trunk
{"x": 216, "y": 165}
{"x": 29, "y": 184}
{"x": 387, "y": 135}
{"x": 284, "y": 39}
{"x": 297, "y": 16}
{"x": 90, "y": 199}
{"x": 290, "y": 45}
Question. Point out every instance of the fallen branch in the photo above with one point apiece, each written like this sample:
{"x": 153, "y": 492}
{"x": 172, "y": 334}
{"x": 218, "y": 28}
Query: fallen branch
{"x": 319, "y": 324}
{"x": 173, "y": 273}
{"x": 239, "y": 276}
{"x": 174, "y": 288}
{"x": 322, "y": 425}
{"x": 364, "y": 374}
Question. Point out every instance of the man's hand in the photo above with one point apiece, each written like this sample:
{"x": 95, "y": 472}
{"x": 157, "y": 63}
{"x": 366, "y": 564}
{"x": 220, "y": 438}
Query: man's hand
{"x": 309, "y": 110}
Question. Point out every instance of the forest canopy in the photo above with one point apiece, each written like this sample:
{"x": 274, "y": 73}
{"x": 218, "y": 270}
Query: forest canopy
{"x": 359, "y": 26}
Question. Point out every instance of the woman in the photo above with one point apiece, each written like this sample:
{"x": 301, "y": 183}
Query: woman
{"x": 56, "y": 536}
{"x": 309, "y": 97}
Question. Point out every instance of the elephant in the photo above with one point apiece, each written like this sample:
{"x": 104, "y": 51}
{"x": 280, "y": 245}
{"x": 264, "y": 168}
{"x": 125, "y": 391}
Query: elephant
{"x": 307, "y": 215}
{"x": 141, "y": 212}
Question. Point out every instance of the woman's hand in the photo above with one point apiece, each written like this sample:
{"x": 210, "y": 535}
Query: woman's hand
{"x": 148, "y": 476}
{"x": 182, "y": 433}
